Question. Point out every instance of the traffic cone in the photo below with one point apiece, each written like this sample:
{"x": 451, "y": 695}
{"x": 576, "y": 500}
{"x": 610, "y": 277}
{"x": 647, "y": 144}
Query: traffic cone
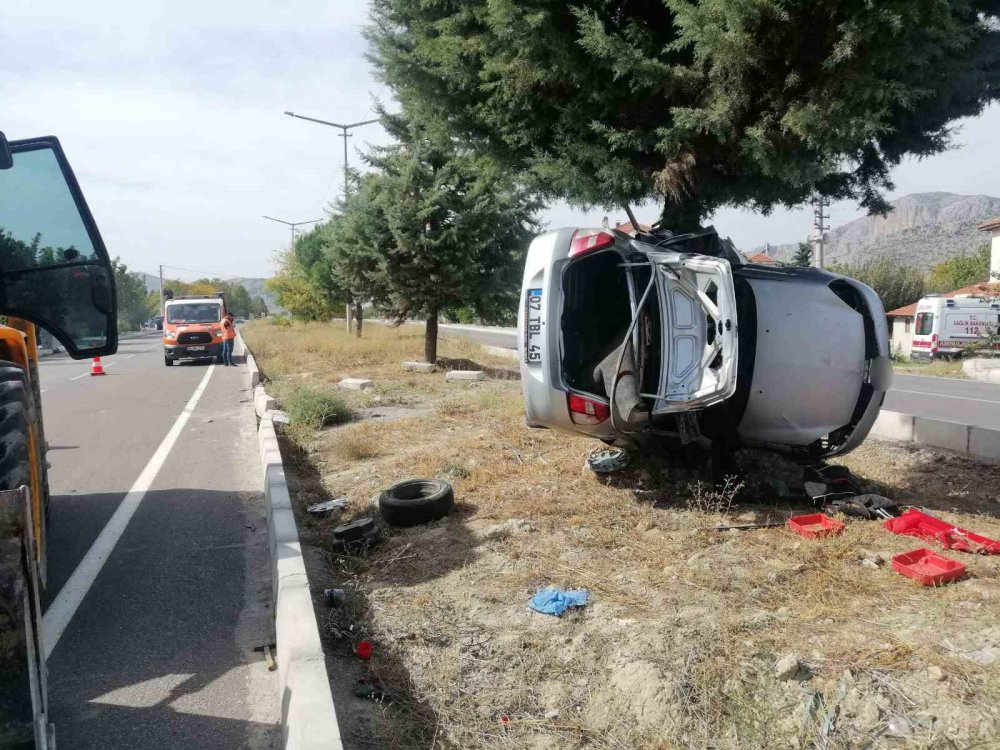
{"x": 98, "y": 368}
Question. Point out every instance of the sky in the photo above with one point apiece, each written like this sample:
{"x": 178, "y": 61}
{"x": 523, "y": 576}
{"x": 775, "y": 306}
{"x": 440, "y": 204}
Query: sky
{"x": 171, "y": 113}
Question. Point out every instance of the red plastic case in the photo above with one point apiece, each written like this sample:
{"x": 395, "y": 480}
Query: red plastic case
{"x": 815, "y": 525}
{"x": 928, "y": 567}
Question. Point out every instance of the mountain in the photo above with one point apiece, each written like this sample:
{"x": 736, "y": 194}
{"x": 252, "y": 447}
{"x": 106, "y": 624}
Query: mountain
{"x": 922, "y": 229}
{"x": 254, "y": 287}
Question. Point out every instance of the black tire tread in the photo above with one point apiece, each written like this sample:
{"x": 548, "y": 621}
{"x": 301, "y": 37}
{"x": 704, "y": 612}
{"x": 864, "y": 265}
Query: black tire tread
{"x": 436, "y": 500}
{"x": 15, "y": 467}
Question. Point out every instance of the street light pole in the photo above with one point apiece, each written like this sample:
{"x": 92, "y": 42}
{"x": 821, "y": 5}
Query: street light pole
{"x": 343, "y": 134}
{"x": 293, "y": 225}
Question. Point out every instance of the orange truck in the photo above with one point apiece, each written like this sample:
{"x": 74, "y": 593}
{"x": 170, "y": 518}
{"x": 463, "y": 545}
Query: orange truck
{"x": 192, "y": 327}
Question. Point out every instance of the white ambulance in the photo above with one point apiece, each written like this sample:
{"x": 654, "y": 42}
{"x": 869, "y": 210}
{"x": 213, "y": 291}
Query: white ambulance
{"x": 946, "y": 325}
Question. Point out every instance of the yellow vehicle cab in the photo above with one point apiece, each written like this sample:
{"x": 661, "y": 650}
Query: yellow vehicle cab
{"x": 192, "y": 327}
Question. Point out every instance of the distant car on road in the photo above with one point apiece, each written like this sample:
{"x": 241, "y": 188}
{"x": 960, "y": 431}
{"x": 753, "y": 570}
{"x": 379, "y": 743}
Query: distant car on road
{"x": 158, "y": 322}
{"x": 240, "y": 320}
{"x": 678, "y": 336}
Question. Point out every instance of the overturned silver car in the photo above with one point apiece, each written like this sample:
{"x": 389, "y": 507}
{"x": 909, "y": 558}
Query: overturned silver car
{"x": 678, "y": 336}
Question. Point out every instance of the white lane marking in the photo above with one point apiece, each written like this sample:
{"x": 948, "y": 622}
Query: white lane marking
{"x": 43, "y": 390}
{"x": 130, "y": 356}
{"x": 81, "y": 375}
{"x": 941, "y": 395}
{"x": 61, "y": 611}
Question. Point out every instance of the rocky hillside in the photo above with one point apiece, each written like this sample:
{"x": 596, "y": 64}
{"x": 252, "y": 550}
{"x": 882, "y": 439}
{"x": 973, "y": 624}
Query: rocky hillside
{"x": 922, "y": 229}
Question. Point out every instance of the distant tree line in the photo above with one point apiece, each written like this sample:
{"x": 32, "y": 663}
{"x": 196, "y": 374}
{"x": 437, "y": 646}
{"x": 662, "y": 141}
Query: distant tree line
{"x": 432, "y": 230}
{"x": 899, "y": 285}
{"x": 238, "y": 300}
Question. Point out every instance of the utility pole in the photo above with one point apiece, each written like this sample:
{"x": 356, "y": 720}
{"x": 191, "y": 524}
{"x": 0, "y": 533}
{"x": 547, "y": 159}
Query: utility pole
{"x": 292, "y": 225}
{"x": 343, "y": 134}
{"x": 347, "y": 185}
{"x": 821, "y": 213}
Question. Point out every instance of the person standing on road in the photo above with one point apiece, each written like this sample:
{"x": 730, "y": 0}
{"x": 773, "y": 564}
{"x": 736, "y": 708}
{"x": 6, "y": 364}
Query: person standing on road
{"x": 229, "y": 336}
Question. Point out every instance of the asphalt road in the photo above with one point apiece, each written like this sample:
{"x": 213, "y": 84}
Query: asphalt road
{"x": 964, "y": 401}
{"x": 175, "y": 583}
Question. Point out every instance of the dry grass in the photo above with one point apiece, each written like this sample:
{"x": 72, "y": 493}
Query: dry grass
{"x": 941, "y": 368}
{"x": 678, "y": 645}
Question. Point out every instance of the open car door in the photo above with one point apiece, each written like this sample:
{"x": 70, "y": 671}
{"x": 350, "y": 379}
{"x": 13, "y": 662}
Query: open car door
{"x": 699, "y": 329}
{"x": 54, "y": 268}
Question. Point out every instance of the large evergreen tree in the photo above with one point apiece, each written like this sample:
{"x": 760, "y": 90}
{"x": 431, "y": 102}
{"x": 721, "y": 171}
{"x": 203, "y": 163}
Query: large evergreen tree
{"x": 701, "y": 103}
{"x": 804, "y": 255}
{"x": 433, "y": 227}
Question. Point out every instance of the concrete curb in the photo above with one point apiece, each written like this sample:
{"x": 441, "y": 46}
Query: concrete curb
{"x": 308, "y": 716}
{"x": 981, "y": 442}
{"x": 983, "y": 370}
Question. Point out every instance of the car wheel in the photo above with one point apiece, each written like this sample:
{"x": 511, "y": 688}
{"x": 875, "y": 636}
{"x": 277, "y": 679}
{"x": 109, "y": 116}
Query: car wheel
{"x": 168, "y": 362}
{"x": 415, "y": 501}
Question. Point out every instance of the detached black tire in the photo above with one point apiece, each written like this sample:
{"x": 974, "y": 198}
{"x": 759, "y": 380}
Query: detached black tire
{"x": 416, "y": 501}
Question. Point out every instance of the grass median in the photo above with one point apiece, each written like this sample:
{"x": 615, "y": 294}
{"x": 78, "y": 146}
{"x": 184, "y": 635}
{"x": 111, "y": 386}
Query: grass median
{"x": 681, "y": 642}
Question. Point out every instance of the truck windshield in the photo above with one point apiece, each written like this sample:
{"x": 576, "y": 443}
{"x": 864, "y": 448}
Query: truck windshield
{"x": 194, "y": 312}
{"x": 925, "y": 324}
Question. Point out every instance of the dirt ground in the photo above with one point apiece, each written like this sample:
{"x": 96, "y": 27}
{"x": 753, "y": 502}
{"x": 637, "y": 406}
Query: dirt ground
{"x": 691, "y": 638}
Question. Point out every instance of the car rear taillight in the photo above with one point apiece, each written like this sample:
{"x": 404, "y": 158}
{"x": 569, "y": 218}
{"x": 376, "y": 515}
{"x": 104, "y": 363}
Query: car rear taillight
{"x": 584, "y": 410}
{"x": 589, "y": 240}
{"x": 934, "y": 344}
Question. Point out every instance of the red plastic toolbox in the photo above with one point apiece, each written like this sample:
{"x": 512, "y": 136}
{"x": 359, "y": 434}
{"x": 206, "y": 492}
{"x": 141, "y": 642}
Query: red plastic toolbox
{"x": 927, "y": 566}
{"x": 815, "y": 525}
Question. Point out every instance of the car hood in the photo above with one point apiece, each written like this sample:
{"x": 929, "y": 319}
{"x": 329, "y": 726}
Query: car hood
{"x": 809, "y": 364}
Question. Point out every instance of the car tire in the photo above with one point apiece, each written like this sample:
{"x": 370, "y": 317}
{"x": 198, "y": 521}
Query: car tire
{"x": 415, "y": 501}
{"x": 168, "y": 362}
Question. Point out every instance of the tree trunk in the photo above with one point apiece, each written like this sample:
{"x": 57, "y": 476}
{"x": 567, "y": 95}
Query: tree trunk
{"x": 682, "y": 217}
{"x": 358, "y": 319}
{"x": 431, "y": 337}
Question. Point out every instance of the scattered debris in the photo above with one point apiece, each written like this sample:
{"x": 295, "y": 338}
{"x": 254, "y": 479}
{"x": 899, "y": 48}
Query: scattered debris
{"x": 923, "y": 526}
{"x": 357, "y": 384}
{"x": 749, "y": 526}
{"x": 554, "y": 601}
{"x": 607, "y": 460}
{"x": 364, "y": 650}
{"x": 419, "y": 367}
{"x": 509, "y": 528}
{"x": 416, "y": 501}
{"x": 927, "y": 567}
{"x": 465, "y": 375}
{"x": 815, "y": 526}
{"x": 787, "y": 667}
{"x": 325, "y": 508}
{"x": 370, "y": 688}
{"x": 356, "y": 535}
{"x": 334, "y": 597}
{"x": 871, "y": 559}
{"x": 867, "y": 507}
{"x": 935, "y": 673}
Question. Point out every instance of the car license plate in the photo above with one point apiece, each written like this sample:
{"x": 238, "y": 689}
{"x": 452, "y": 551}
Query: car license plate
{"x": 533, "y": 327}
{"x": 196, "y": 348}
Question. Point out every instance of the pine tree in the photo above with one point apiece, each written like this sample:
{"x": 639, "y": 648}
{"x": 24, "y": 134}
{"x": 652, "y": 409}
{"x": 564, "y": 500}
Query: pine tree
{"x": 698, "y": 103}
{"x": 433, "y": 227}
{"x": 804, "y": 255}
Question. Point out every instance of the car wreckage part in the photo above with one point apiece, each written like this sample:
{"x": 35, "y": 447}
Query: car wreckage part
{"x": 927, "y": 567}
{"x": 415, "y": 501}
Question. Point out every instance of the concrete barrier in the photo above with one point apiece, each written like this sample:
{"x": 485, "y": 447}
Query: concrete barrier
{"x": 984, "y": 442}
{"x": 308, "y": 716}
{"x": 983, "y": 369}
{"x": 981, "y": 442}
{"x": 262, "y": 402}
{"x": 941, "y": 434}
